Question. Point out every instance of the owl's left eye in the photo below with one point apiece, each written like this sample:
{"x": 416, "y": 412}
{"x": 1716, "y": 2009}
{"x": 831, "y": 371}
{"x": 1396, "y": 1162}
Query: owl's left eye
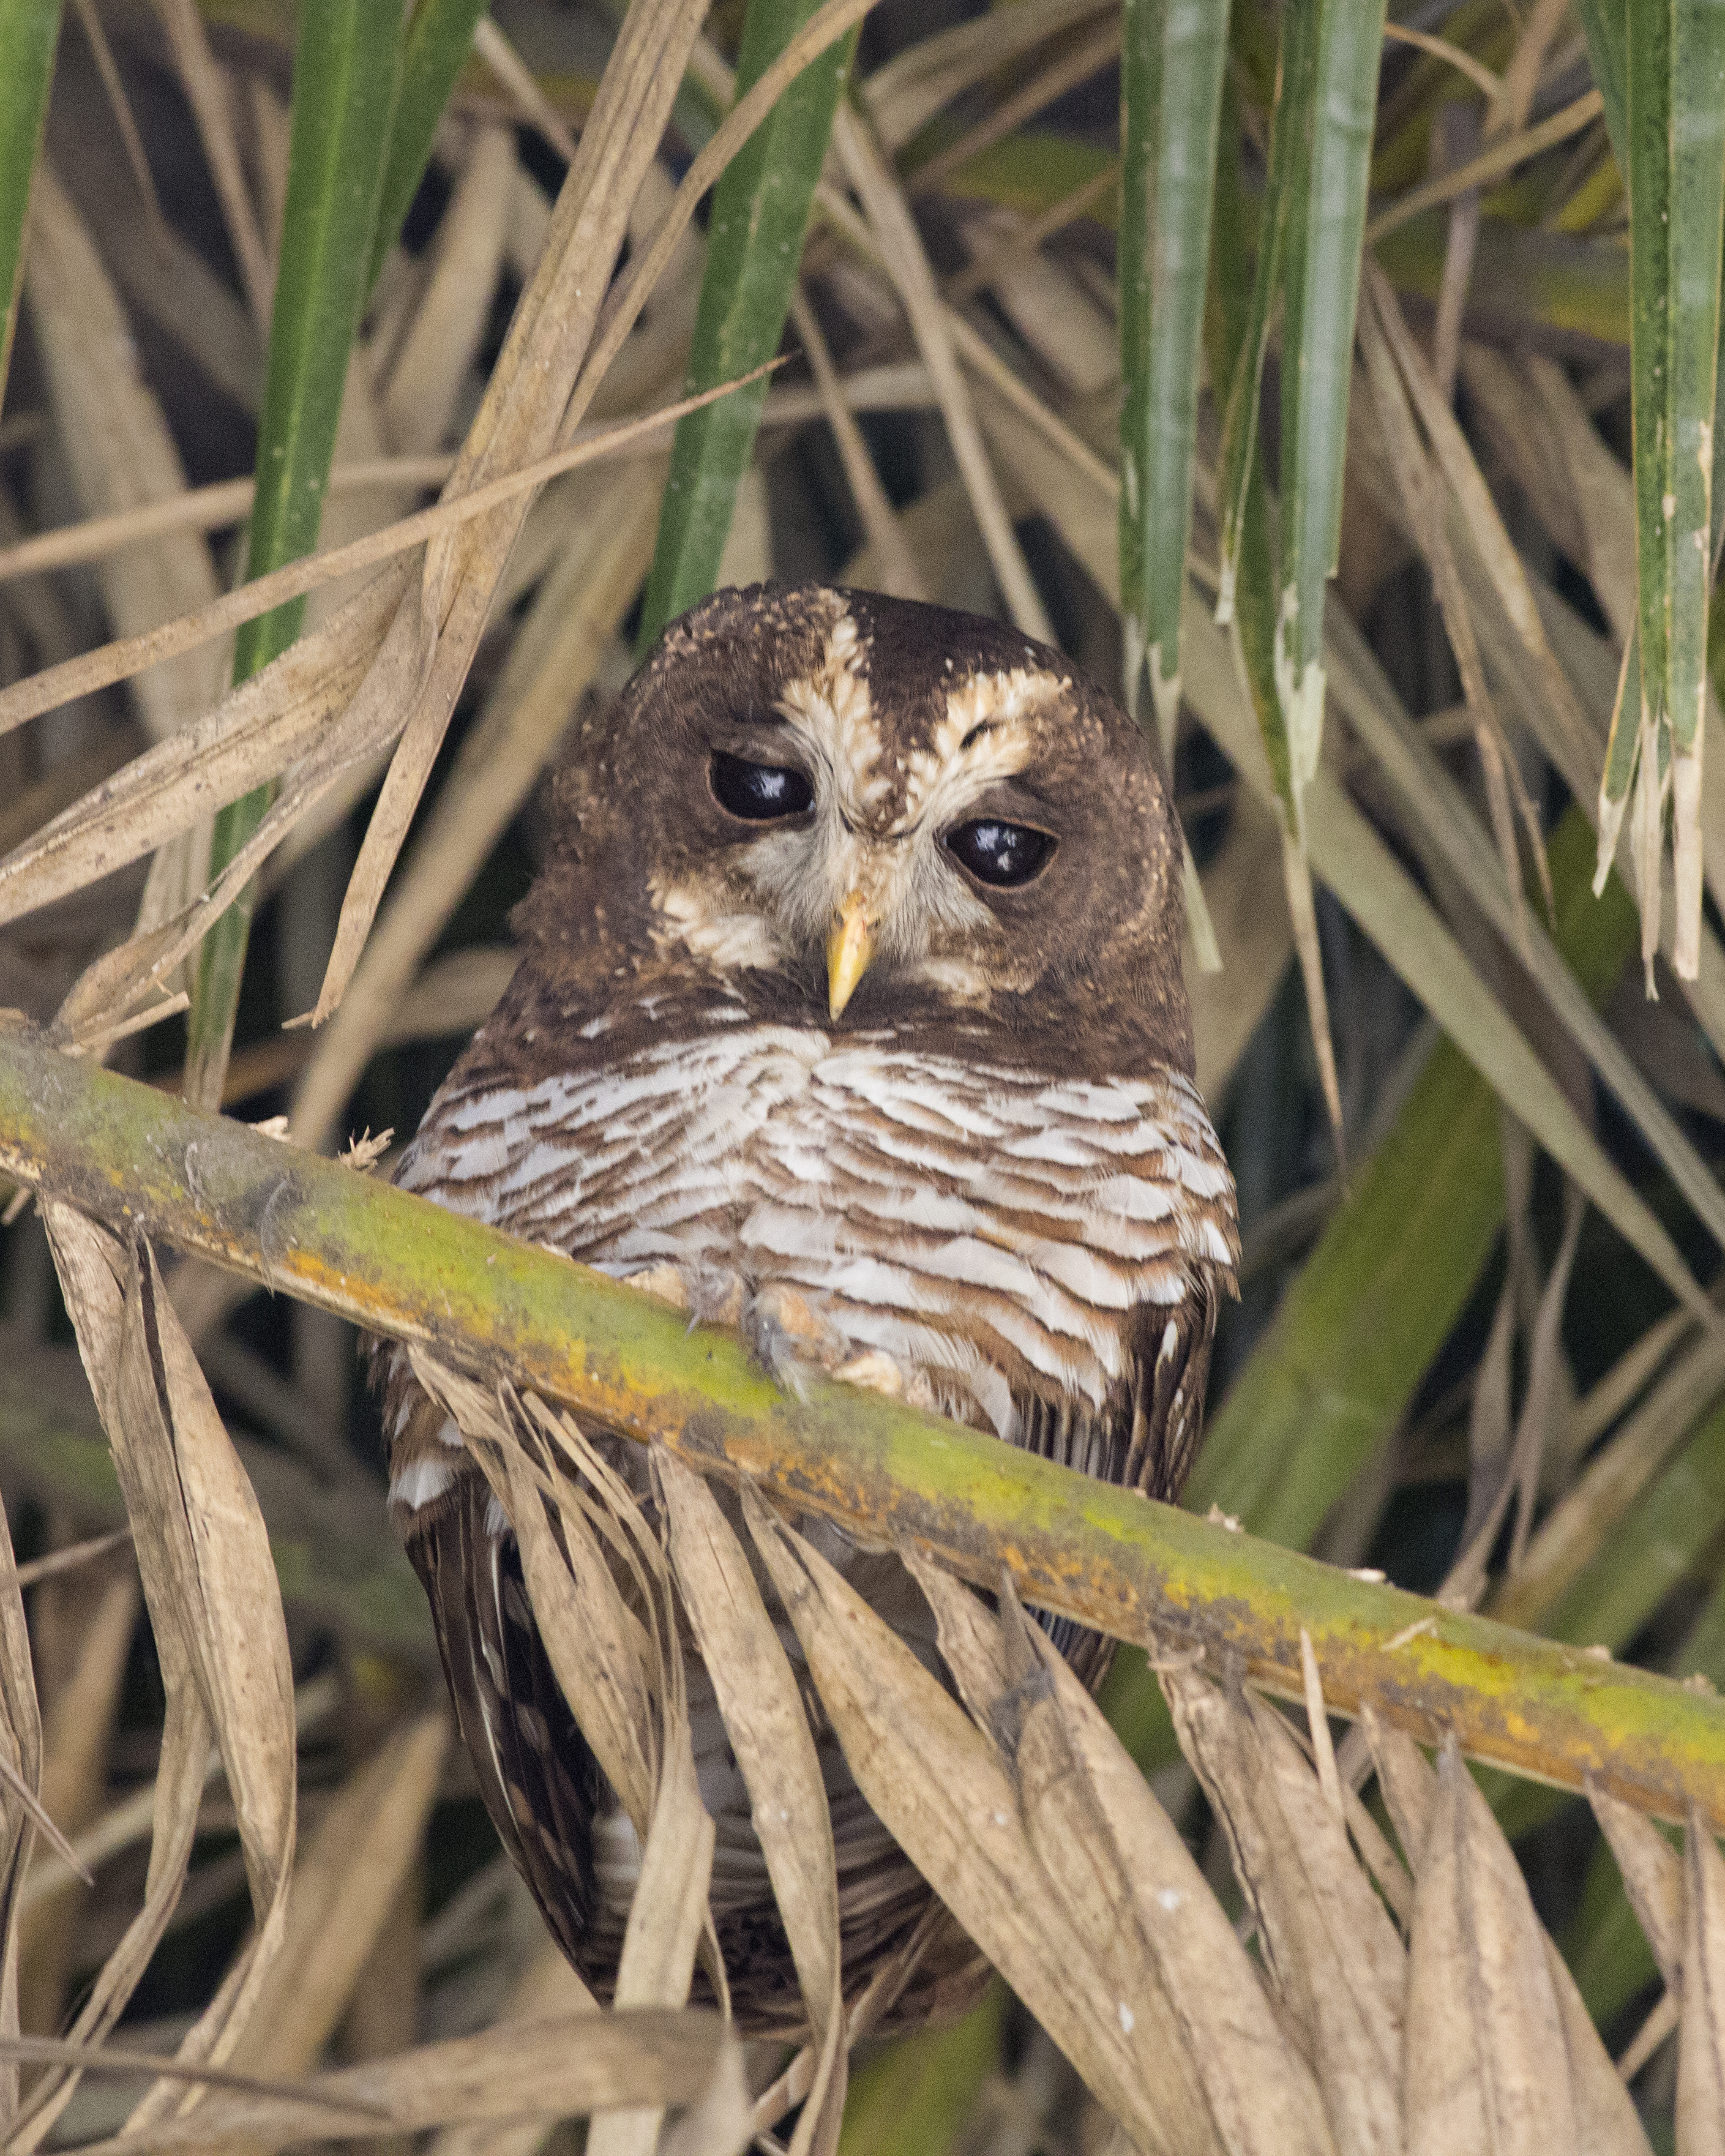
{"x": 1004, "y": 855}
{"x": 759, "y": 793}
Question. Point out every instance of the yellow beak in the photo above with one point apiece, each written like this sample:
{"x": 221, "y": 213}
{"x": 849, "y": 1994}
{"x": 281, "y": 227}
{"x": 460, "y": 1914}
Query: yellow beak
{"x": 850, "y": 945}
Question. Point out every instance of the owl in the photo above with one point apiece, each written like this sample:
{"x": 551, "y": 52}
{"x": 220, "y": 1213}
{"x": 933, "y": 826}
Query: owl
{"x": 849, "y": 1013}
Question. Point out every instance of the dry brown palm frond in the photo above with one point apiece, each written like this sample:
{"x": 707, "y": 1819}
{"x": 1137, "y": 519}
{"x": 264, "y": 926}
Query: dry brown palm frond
{"x": 203, "y": 1557}
{"x": 1039, "y": 1834}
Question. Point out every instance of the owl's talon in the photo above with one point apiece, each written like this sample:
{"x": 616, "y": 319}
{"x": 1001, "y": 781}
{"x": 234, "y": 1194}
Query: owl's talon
{"x": 875, "y": 1371}
{"x": 777, "y": 1354}
{"x": 796, "y": 1324}
{"x": 714, "y": 1297}
{"x": 792, "y": 1342}
{"x": 665, "y": 1284}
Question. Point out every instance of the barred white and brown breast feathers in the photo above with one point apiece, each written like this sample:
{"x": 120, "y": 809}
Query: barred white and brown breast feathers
{"x": 851, "y": 1013}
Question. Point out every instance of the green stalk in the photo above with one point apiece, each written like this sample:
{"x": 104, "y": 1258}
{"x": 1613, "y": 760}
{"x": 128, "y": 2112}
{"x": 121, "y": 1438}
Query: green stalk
{"x": 29, "y": 31}
{"x": 397, "y": 1265}
{"x": 1675, "y": 124}
{"x": 1605, "y": 25}
{"x": 760, "y": 213}
{"x": 345, "y": 74}
{"x": 1245, "y": 600}
{"x": 1171, "y": 84}
{"x": 1331, "y": 150}
{"x": 1237, "y": 336}
{"x": 1246, "y": 589}
{"x": 438, "y": 39}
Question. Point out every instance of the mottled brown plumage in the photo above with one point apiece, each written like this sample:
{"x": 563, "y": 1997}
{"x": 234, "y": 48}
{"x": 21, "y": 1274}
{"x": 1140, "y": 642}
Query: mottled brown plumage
{"x": 850, "y": 1012}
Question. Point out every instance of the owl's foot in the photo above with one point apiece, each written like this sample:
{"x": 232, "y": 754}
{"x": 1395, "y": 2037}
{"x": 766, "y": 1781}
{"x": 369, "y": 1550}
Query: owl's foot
{"x": 710, "y": 1297}
{"x": 665, "y": 1283}
{"x": 790, "y": 1337}
{"x": 876, "y": 1371}
{"x": 779, "y": 1314}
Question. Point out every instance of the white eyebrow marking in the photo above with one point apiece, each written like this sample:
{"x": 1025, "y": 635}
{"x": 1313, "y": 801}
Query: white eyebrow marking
{"x": 831, "y": 712}
{"x": 984, "y": 735}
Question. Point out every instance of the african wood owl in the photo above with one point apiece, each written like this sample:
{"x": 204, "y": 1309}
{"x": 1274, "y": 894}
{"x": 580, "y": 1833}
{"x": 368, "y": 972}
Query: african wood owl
{"x": 851, "y": 1013}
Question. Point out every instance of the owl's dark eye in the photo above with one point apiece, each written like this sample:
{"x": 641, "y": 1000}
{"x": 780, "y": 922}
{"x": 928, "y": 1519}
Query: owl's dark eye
{"x": 1000, "y": 854}
{"x": 759, "y": 793}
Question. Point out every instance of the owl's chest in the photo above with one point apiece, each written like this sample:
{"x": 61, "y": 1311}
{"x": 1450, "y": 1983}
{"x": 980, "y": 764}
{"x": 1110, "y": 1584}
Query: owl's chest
{"x": 988, "y": 1229}
{"x": 660, "y": 1156}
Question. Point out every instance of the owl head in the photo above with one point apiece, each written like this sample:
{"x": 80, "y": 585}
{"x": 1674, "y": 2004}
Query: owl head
{"x": 861, "y": 812}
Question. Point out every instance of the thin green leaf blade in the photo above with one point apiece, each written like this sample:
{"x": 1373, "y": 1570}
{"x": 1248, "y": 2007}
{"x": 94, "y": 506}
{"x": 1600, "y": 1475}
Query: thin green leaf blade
{"x": 1676, "y": 114}
{"x": 344, "y": 83}
{"x": 1651, "y": 52}
{"x": 1326, "y": 218}
{"x": 754, "y": 250}
{"x": 1244, "y": 368}
{"x": 1605, "y": 25}
{"x": 1622, "y": 742}
{"x": 1254, "y": 627}
{"x": 1236, "y": 335}
{"x": 1696, "y": 239}
{"x": 438, "y": 39}
{"x": 29, "y": 31}
{"x": 346, "y": 71}
{"x": 1171, "y": 78}
{"x": 1246, "y": 600}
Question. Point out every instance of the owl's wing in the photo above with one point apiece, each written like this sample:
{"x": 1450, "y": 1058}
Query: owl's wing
{"x": 1145, "y": 1441}
{"x": 1171, "y": 1369}
{"x": 1146, "y": 1438}
{"x": 537, "y": 1778}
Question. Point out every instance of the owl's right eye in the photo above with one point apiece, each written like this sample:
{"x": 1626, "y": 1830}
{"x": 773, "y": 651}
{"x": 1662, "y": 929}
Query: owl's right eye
{"x": 759, "y": 793}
